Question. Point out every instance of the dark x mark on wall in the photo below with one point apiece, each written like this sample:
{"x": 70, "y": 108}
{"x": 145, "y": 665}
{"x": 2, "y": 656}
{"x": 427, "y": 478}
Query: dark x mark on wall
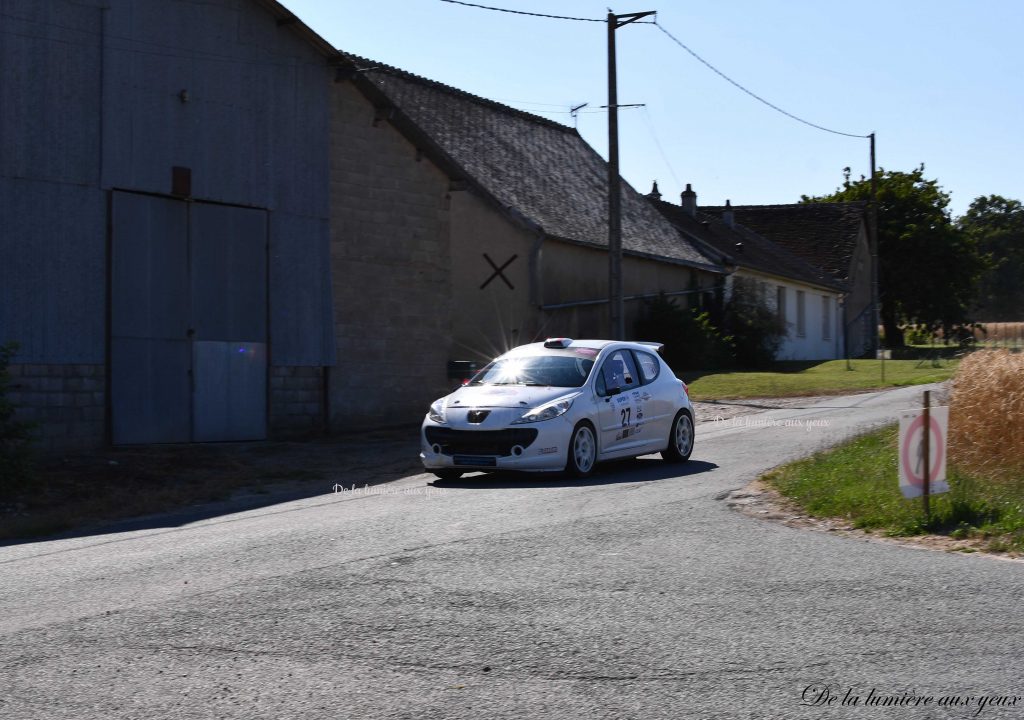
{"x": 498, "y": 272}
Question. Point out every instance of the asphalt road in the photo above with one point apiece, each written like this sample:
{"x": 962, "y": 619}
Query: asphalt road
{"x": 636, "y": 594}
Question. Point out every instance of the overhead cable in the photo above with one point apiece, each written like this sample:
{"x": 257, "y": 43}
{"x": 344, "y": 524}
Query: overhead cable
{"x": 748, "y": 92}
{"x": 522, "y": 12}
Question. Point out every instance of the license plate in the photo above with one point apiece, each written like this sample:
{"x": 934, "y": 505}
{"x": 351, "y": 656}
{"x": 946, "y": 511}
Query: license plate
{"x": 475, "y": 460}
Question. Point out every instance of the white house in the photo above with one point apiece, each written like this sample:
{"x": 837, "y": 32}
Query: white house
{"x": 809, "y": 299}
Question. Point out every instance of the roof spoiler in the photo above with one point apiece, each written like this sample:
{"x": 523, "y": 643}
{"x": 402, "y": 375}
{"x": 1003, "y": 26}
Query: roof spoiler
{"x": 658, "y": 347}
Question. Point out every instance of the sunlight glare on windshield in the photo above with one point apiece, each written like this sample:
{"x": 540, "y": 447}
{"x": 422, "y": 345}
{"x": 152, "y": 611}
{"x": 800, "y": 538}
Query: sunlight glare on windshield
{"x": 511, "y": 371}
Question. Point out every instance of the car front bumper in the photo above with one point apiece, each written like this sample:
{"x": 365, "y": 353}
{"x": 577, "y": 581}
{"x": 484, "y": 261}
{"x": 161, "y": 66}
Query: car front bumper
{"x": 535, "y": 447}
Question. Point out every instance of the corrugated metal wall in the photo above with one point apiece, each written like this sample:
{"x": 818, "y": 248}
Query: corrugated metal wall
{"x": 100, "y": 102}
{"x": 52, "y": 212}
{"x": 99, "y": 99}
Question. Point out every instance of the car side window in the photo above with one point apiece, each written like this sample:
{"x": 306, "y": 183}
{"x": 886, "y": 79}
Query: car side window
{"x": 618, "y": 373}
{"x": 649, "y": 366}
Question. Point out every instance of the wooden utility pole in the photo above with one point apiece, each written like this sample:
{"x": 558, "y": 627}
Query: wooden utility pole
{"x": 873, "y": 240}
{"x": 617, "y": 326}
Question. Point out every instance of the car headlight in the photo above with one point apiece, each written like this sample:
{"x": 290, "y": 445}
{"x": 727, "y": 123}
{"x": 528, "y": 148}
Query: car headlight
{"x": 547, "y": 412}
{"x": 437, "y": 412}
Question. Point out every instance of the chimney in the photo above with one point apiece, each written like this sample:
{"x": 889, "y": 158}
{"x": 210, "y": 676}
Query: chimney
{"x": 654, "y": 194}
{"x": 727, "y": 215}
{"x": 688, "y": 199}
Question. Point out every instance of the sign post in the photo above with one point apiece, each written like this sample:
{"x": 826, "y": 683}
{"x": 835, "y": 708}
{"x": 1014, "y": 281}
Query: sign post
{"x": 925, "y": 452}
{"x": 922, "y": 453}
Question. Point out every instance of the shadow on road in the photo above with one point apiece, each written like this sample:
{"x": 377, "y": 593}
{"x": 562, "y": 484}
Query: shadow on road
{"x": 611, "y": 473}
{"x": 119, "y": 490}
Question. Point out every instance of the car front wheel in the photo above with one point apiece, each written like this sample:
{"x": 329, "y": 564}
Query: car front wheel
{"x": 582, "y": 451}
{"x": 680, "y": 439}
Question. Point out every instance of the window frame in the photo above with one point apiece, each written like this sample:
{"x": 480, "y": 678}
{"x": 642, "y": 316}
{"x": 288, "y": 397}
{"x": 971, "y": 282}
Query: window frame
{"x": 801, "y": 314}
{"x": 641, "y": 375}
{"x": 826, "y": 317}
{"x": 601, "y": 383}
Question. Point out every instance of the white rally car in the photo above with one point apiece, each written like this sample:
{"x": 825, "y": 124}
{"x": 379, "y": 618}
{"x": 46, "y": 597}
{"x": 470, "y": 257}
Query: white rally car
{"x": 561, "y": 404}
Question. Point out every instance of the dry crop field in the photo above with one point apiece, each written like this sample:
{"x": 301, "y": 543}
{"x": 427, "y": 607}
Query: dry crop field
{"x": 1001, "y": 334}
{"x": 986, "y": 411}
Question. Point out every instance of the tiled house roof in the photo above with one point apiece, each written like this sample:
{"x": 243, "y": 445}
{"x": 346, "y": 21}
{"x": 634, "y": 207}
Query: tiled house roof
{"x": 537, "y": 170}
{"x": 823, "y": 234}
{"x": 744, "y": 247}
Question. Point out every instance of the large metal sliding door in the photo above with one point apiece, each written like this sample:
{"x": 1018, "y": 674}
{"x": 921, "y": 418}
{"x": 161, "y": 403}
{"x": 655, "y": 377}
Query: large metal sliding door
{"x": 229, "y": 318}
{"x": 188, "y": 321}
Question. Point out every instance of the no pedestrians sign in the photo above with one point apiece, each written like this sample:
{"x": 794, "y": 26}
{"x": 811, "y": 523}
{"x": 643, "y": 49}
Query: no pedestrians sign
{"x": 912, "y": 459}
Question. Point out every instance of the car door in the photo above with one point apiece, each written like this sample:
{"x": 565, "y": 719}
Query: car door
{"x": 619, "y": 402}
{"x": 657, "y": 406}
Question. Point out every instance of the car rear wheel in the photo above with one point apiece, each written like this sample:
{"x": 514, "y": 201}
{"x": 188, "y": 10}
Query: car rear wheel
{"x": 448, "y": 474}
{"x": 582, "y": 451}
{"x": 680, "y": 439}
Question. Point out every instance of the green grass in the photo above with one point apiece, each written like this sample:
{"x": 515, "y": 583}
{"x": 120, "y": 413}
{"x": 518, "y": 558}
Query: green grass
{"x": 818, "y": 378}
{"x": 858, "y": 482}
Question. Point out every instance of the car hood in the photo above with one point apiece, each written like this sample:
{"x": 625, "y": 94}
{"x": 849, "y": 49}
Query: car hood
{"x": 506, "y": 396}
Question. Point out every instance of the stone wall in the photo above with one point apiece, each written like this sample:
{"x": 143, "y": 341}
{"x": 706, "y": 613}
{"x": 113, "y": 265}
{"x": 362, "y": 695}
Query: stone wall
{"x": 390, "y": 268}
{"x": 66, "y": 403}
{"x": 296, "y": 401}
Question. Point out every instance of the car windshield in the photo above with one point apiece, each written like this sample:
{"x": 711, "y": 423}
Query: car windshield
{"x": 568, "y": 370}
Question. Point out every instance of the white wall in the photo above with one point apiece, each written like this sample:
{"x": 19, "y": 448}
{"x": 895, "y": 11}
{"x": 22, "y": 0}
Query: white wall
{"x": 812, "y": 344}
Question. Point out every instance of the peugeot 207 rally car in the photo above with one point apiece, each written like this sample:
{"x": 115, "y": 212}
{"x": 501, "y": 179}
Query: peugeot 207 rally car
{"x": 561, "y": 404}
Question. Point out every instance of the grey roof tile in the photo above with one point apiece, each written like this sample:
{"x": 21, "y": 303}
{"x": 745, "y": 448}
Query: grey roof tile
{"x": 539, "y": 169}
{"x": 823, "y": 234}
{"x": 745, "y": 247}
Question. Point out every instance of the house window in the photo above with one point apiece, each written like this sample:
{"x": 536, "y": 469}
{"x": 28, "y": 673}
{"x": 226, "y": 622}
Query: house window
{"x": 801, "y": 315}
{"x": 780, "y": 302}
{"x": 826, "y": 317}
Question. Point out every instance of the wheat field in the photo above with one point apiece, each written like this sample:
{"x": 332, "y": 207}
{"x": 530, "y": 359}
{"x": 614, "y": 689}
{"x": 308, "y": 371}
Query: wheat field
{"x": 1001, "y": 334}
{"x": 986, "y": 415}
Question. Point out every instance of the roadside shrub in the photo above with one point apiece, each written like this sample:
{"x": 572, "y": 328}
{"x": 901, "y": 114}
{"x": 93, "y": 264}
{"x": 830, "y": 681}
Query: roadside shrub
{"x": 757, "y": 331}
{"x": 14, "y": 434}
{"x": 691, "y": 341}
{"x": 986, "y": 415}
{"x": 918, "y": 335}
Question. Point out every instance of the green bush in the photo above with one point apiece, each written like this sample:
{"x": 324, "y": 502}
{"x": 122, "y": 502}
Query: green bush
{"x": 918, "y": 335}
{"x": 691, "y": 341}
{"x": 757, "y": 331}
{"x": 15, "y": 435}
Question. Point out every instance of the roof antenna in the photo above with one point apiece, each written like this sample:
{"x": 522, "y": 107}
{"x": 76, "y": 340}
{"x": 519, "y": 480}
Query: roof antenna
{"x": 575, "y": 113}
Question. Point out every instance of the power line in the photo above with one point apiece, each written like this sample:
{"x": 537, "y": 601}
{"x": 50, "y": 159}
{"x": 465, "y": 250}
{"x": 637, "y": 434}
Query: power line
{"x": 748, "y": 92}
{"x": 657, "y": 142}
{"x": 678, "y": 42}
{"x": 527, "y": 102}
{"x": 522, "y": 12}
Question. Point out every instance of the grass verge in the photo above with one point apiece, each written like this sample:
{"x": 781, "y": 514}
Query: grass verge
{"x": 858, "y": 482}
{"x": 821, "y": 378}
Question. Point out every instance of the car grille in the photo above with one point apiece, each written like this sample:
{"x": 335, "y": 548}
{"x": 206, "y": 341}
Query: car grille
{"x": 480, "y": 442}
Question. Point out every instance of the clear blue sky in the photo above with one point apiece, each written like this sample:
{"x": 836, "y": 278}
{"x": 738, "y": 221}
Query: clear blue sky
{"x": 939, "y": 82}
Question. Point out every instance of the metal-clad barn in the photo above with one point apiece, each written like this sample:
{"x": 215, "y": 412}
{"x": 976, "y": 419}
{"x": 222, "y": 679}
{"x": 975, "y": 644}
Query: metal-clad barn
{"x": 164, "y": 218}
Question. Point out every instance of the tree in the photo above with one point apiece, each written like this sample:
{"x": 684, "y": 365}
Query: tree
{"x": 691, "y": 341}
{"x": 756, "y": 329}
{"x": 996, "y": 225}
{"x": 928, "y": 267}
